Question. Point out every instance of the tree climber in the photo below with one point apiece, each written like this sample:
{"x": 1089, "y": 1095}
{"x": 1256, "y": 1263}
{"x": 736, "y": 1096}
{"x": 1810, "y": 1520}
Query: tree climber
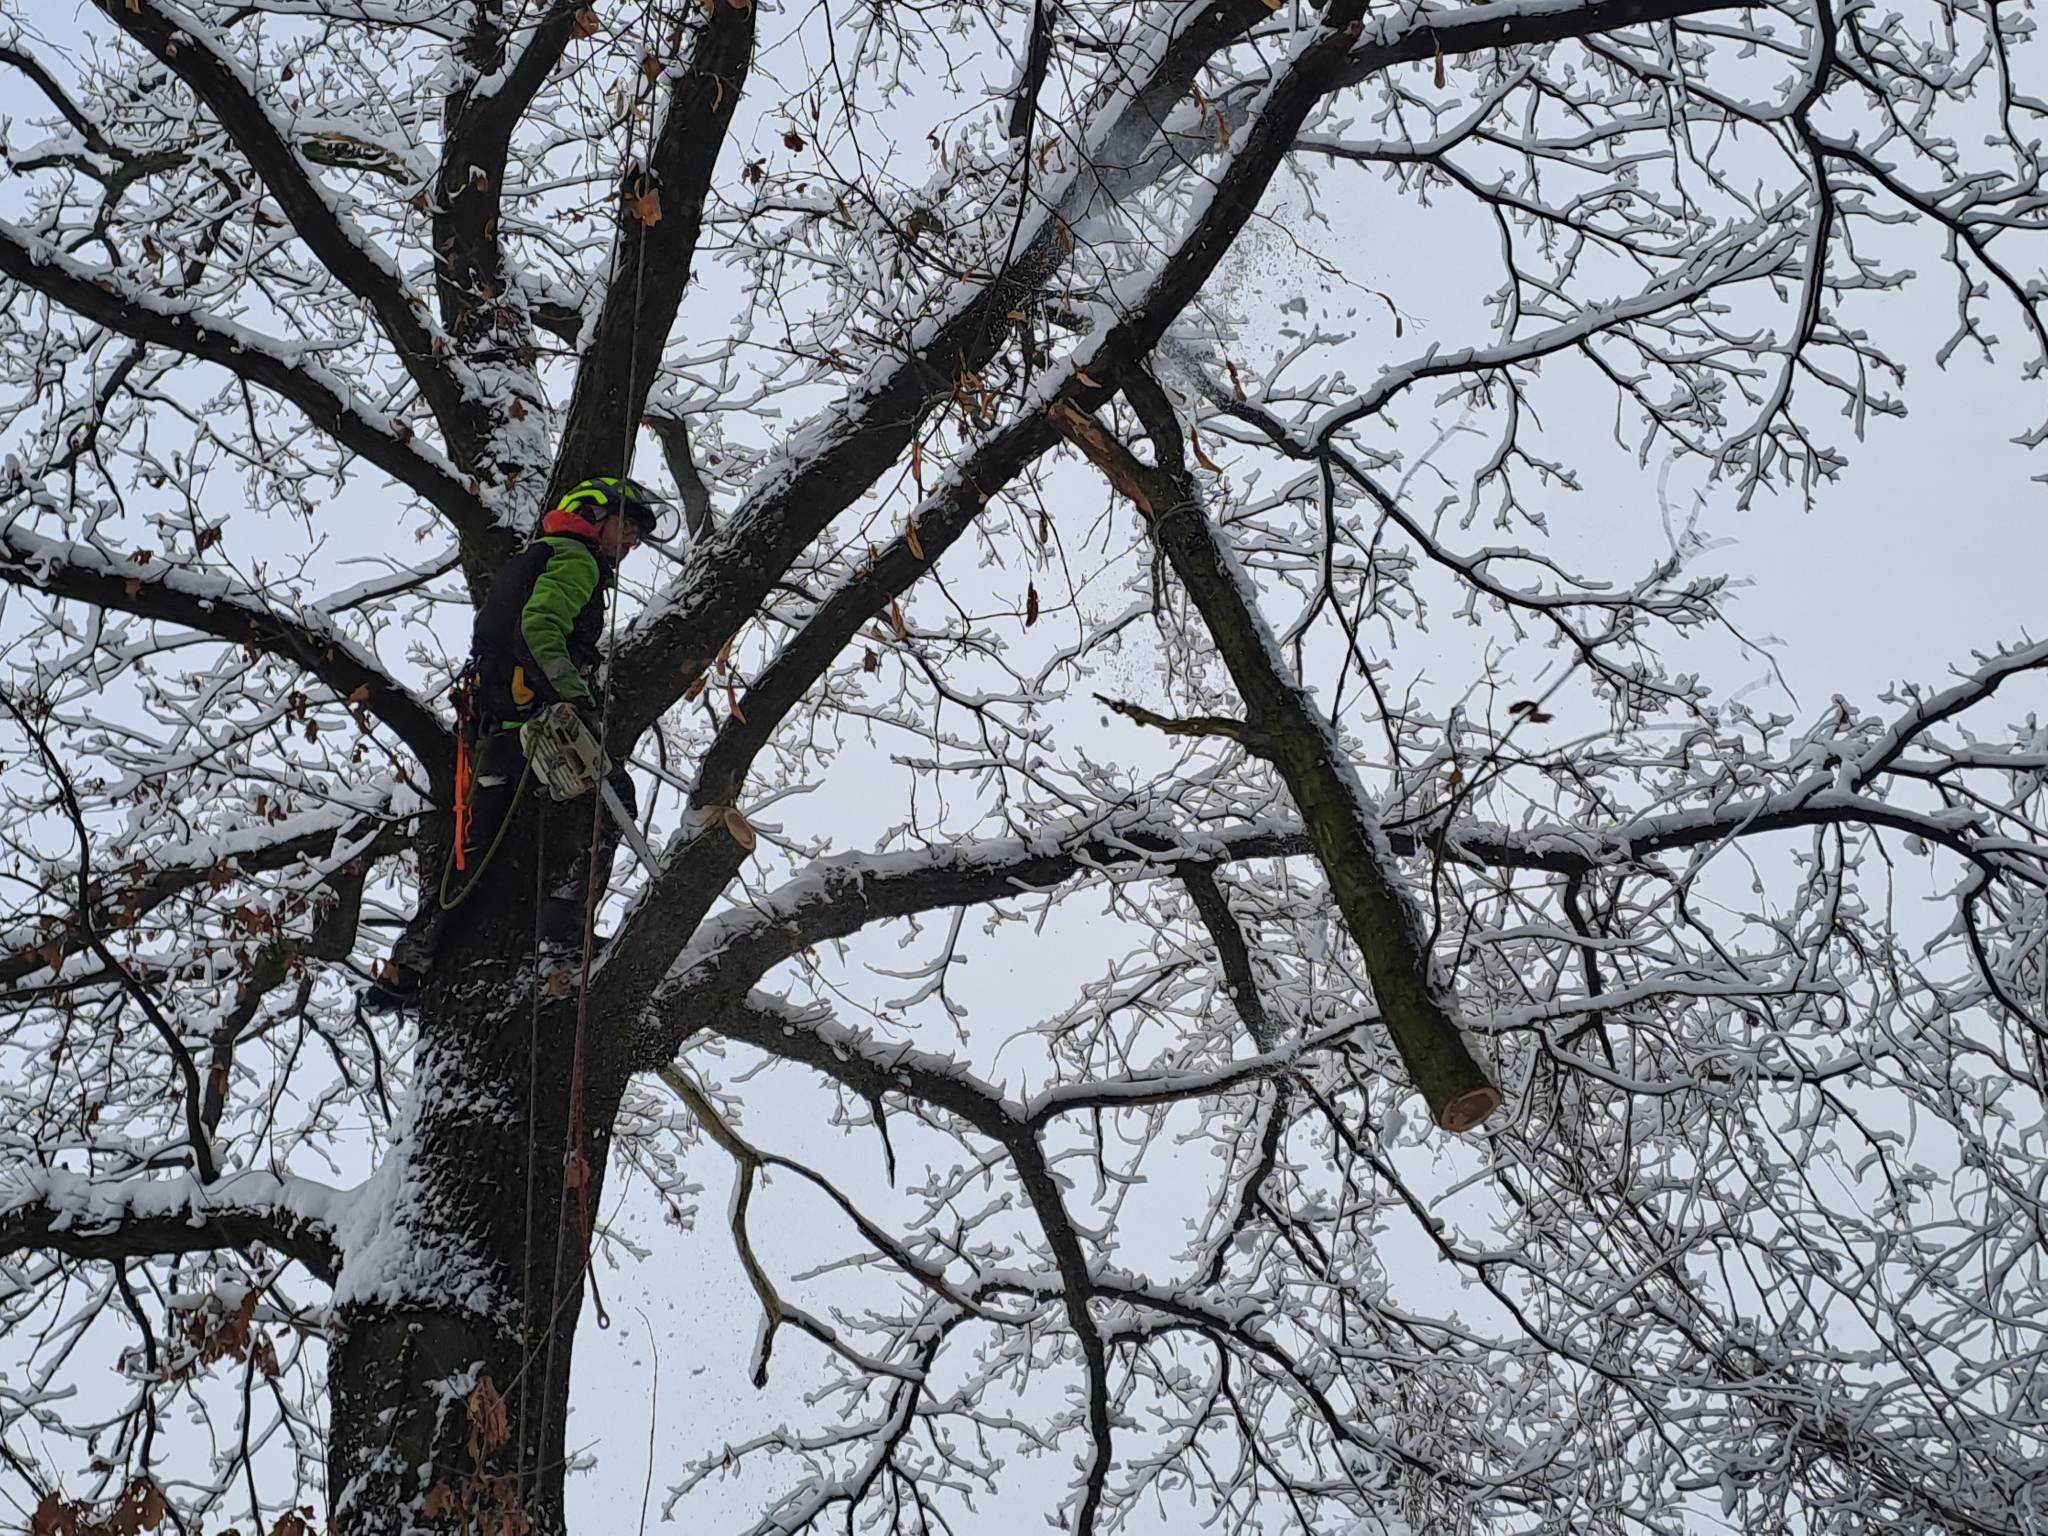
{"x": 536, "y": 645}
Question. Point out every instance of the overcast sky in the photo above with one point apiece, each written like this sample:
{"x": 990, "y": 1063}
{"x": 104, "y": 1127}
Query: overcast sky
{"x": 1929, "y": 547}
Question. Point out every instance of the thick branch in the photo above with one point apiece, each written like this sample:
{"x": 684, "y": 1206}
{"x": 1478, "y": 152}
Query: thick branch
{"x": 1340, "y": 819}
{"x": 105, "y": 299}
{"x": 651, "y": 261}
{"x": 838, "y": 896}
{"x": 198, "y": 56}
{"x": 216, "y": 606}
{"x": 123, "y": 903}
{"x": 838, "y": 457}
{"x": 1410, "y": 38}
{"x": 1233, "y": 955}
{"x": 85, "y": 1218}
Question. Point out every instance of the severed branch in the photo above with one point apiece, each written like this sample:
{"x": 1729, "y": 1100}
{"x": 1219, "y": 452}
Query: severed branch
{"x": 673, "y": 433}
{"x": 1188, "y": 725}
{"x": 1344, "y": 826}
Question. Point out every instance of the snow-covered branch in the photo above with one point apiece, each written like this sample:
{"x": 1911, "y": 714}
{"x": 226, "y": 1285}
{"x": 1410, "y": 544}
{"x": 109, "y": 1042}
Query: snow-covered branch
{"x": 112, "y": 299}
{"x": 144, "y": 1217}
{"x": 301, "y": 635}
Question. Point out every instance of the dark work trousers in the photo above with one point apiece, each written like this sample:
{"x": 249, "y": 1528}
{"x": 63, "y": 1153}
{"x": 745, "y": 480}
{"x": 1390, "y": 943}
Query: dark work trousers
{"x": 500, "y": 766}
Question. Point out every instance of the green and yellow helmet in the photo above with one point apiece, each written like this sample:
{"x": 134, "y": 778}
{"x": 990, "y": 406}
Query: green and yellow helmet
{"x": 603, "y": 496}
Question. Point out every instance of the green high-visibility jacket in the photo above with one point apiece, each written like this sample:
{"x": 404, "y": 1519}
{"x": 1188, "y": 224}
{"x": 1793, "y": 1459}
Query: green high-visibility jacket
{"x": 538, "y": 631}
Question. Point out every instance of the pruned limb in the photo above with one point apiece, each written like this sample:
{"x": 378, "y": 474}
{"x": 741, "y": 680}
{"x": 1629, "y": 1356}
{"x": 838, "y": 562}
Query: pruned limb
{"x": 673, "y": 434}
{"x": 1189, "y": 725}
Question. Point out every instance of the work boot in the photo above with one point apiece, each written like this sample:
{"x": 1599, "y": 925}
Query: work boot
{"x": 404, "y": 977}
{"x": 397, "y": 991}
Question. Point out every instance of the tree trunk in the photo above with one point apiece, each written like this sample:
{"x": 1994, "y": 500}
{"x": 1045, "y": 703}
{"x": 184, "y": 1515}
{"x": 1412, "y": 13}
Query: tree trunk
{"x": 455, "y": 1314}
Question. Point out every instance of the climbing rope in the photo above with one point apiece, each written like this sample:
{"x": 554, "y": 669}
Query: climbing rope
{"x": 449, "y": 864}
{"x": 576, "y": 1168}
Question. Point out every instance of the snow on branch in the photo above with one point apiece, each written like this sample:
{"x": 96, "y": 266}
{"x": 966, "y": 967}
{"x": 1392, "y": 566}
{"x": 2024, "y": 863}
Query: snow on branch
{"x": 109, "y": 299}
{"x": 830, "y": 461}
{"x": 207, "y": 62}
{"x": 142, "y": 1217}
{"x": 299, "y": 634}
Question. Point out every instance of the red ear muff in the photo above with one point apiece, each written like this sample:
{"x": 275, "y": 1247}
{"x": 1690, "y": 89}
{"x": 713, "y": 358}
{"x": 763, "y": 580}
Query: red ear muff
{"x": 562, "y": 520}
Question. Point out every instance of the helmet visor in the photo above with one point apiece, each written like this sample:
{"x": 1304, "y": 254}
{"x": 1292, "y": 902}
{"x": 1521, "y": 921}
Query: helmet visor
{"x": 654, "y": 520}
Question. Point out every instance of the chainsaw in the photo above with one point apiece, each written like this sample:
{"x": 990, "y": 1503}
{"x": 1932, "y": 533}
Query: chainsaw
{"x": 569, "y": 763}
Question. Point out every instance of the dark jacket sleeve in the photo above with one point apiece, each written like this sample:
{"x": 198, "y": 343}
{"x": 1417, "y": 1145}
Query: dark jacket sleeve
{"x": 564, "y": 585}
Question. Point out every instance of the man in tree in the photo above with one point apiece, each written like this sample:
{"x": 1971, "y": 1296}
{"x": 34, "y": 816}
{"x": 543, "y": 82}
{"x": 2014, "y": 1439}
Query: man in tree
{"x": 536, "y": 646}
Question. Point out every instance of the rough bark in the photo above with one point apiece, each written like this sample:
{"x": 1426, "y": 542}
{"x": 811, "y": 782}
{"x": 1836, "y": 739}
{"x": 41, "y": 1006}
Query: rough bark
{"x": 476, "y": 1270}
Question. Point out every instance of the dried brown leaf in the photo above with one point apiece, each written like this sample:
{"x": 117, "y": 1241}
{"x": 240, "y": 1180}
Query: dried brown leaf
{"x": 488, "y": 1416}
{"x": 644, "y": 206}
{"x": 53, "y": 1517}
{"x": 440, "y": 1500}
{"x": 911, "y": 539}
